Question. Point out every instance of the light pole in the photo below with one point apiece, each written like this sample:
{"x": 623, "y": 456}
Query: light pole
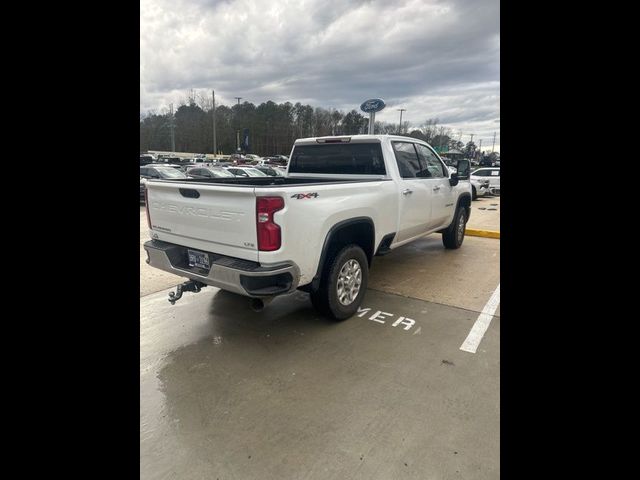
{"x": 215, "y": 146}
{"x": 238, "y": 131}
{"x": 400, "y": 126}
{"x": 173, "y": 135}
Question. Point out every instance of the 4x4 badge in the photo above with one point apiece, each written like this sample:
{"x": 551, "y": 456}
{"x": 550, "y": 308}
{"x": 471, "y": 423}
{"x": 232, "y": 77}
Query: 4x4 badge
{"x": 300, "y": 196}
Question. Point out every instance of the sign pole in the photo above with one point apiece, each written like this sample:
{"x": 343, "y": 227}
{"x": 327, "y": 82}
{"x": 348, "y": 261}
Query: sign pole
{"x": 372, "y": 121}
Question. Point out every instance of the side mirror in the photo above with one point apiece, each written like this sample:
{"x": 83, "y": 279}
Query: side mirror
{"x": 464, "y": 169}
{"x": 453, "y": 179}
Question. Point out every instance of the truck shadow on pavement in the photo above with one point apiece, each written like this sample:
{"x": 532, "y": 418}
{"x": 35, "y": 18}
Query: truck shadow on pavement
{"x": 233, "y": 314}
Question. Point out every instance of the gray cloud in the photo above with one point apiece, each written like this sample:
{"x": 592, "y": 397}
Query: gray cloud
{"x": 434, "y": 58}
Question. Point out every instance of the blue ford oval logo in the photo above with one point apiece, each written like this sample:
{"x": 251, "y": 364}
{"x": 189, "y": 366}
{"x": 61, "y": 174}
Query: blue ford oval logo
{"x": 372, "y": 105}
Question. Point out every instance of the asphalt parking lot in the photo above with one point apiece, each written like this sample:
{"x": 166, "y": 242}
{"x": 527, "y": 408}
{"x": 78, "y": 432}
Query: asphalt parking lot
{"x": 394, "y": 392}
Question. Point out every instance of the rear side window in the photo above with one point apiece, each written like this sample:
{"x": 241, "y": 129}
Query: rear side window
{"x": 495, "y": 173}
{"x": 347, "y": 159}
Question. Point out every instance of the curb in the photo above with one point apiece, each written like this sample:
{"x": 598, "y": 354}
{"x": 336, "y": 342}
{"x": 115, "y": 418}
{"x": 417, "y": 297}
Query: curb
{"x": 482, "y": 233}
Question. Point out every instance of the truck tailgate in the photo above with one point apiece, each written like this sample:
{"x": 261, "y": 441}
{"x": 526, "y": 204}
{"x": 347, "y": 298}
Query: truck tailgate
{"x": 212, "y": 218}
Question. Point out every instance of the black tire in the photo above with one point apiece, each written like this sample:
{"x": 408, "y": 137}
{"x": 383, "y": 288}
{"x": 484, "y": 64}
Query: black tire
{"x": 325, "y": 299}
{"x": 453, "y": 236}
{"x": 474, "y": 194}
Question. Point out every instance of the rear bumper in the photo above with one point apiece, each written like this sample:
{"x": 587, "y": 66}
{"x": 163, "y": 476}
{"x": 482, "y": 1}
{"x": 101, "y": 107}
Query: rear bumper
{"x": 228, "y": 273}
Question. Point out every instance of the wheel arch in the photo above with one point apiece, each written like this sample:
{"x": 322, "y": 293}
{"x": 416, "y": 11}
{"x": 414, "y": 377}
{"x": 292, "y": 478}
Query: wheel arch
{"x": 358, "y": 230}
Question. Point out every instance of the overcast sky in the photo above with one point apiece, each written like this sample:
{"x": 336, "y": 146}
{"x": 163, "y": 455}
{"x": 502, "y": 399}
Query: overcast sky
{"x": 436, "y": 59}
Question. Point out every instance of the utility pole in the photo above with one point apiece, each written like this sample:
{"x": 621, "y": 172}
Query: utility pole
{"x": 238, "y": 131}
{"x": 480, "y": 149}
{"x": 215, "y": 146}
{"x": 472, "y": 134}
{"x": 173, "y": 135}
{"x": 400, "y": 127}
{"x": 494, "y": 142}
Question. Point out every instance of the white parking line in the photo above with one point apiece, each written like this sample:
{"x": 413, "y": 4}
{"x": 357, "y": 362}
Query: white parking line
{"x": 482, "y": 323}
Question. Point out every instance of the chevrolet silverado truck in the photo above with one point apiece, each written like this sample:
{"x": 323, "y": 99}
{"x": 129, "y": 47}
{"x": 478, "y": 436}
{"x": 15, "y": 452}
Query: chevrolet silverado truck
{"x": 342, "y": 201}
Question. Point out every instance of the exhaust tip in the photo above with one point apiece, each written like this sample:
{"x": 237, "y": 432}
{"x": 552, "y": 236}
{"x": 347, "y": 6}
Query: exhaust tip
{"x": 257, "y": 305}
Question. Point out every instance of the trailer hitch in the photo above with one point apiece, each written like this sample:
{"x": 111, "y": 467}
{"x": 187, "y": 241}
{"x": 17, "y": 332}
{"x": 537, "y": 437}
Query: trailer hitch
{"x": 190, "y": 286}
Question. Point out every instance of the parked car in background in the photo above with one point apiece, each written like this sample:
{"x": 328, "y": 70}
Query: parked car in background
{"x": 253, "y": 158}
{"x": 246, "y": 172}
{"x": 479, "y": 188}
{"x": 272, "y": 172}
{"x": 491, "y": 174}
{"x": 237, "y": 158}
{"x": 165, "y": 165}
{"x": 209, "y": 172}
{"x": 146, "y": 158}
{"x": 487, "y": 162}
{"x": 163, "y": 172}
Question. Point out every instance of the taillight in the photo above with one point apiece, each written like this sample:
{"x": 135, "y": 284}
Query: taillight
{"x": 268, "y": 230}
{"x": 146, "y": 205}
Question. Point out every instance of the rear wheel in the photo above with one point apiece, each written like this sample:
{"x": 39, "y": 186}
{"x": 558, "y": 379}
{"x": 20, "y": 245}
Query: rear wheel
{"x": 474, "y": 194}
{"x": 343, "y": 284}
{"x": 453, "y": 236}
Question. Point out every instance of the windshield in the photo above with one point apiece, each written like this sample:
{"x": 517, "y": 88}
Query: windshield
{"x": 253, "y": 172}
{"x": 167, "y": 172}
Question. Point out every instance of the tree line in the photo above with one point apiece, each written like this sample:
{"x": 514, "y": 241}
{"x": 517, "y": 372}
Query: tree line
{"x": 272, "y": 127}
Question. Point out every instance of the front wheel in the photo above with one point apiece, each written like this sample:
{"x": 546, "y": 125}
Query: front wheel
{"x": 453, "y": 236}
{"x": 343, "y": 286}
{"x": 474, "y": 194}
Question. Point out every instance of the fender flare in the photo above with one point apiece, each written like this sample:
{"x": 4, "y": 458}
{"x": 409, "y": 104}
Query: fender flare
{"x": 315, "y": 283}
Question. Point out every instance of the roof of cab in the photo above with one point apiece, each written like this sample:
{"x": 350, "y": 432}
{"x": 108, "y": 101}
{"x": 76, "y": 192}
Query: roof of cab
{"x": 352, "y": 138}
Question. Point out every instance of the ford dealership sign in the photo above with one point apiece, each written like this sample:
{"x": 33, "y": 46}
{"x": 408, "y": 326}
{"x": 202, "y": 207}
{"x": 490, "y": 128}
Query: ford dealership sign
{"x": 372, "y": 105}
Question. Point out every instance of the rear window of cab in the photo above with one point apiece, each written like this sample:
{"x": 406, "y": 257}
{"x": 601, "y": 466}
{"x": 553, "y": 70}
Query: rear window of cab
{"x": 345, "y": 158}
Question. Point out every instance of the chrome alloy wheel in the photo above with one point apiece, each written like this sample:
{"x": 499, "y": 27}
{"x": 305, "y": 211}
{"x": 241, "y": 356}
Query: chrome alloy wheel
{"x": 349, "y": 282}
{"x": 461, "y": 225}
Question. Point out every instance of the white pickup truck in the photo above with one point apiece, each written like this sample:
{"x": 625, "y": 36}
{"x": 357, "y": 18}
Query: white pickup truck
{"x": 343, "y": 201}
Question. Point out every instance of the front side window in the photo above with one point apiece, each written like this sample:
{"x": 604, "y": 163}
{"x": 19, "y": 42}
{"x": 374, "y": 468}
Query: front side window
{"x": 434, "y": 166}
{"x": 407, "y": 160}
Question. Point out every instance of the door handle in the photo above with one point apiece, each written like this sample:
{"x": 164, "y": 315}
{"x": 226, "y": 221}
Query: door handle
{"x": 435, "y": 189}
{"x": 407, "y": 191}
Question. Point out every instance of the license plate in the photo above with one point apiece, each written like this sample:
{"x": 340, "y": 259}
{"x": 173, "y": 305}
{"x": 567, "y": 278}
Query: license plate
{"x": 198, "y": 259}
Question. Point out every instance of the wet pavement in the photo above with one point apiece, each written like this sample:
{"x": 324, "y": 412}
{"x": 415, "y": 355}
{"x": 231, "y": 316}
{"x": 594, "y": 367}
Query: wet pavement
{"x": 230, "y": 393}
